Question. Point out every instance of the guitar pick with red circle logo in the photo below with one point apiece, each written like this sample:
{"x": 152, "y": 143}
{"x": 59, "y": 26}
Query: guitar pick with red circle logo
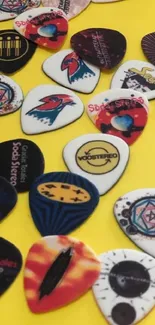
{"x": 99, "y": 46}
{"x": 119, "y": 112}
{"x": 58, "y": 270}
{"x": 71, "y": 8}
{"x": 47, "y": 27}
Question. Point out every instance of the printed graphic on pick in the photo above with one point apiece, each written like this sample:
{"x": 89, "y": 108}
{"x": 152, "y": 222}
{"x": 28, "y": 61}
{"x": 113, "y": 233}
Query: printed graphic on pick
{"x": 47, "y": 27}
{"x": 10, "y": 264}
{"x": 15, "y": 51}
{"x": 125, "y": 291}
{"x": 100, "y": 158}
{"x": 135, "y": 214}
{"x": 148, "y": 47}
{"x": 11, "y": 96}
{"x": 61, "y": 201}
{"x": 136, "y": 75}
{"x": 69, "y": 70}
{"x": 8, "y": 198}
{"x": 99, "y": 46}
{"x": 58, "y": 270}
{"x": 120, "y": 112}
{"x": 21, "y": 161}
{"x": 9, "y": 9}
{"x": 47, "y": 108}
{"x": 71, "y": 8}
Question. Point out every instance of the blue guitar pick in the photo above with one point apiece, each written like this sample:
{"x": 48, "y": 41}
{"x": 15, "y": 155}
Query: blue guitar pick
{"x": 61, "y": 201}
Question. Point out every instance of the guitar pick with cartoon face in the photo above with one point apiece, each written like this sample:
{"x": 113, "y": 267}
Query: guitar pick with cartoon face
{"x": 8, "y": 198}
{"x": 71, "y": 8}
{"x": 125, "y": 291}
{"x": 99, "y": 46}
{"x": 15, "y": 51}
{"x": 9, "y": 9}
{"x": 58, "y": 270}
{"x": 10, "y": 264}
{"x": 100, "y": 158}
{"x": 148, "y": 47}
{"x": 47, "y": 27}
{"x": 120, "y": 112}
{"x": 48, "y": 108}
{"x": 135, "y": 214}
{"x": 69, "y": 70}
{"x": 61, "y": 201}
{"x": 136, "y": 75}
{"x": 11, "y": 96}
{"x": 21, "y": 162}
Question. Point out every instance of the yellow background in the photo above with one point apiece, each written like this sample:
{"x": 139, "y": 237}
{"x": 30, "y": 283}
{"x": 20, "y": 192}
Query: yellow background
{"x": 133, "y": 18}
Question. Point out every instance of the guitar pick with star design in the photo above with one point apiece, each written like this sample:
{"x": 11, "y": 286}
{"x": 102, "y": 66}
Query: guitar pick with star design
{"x": 61, "y": 201}
{"x": 48, "y": 108}
{"x": 9, "y": 9}
{"x": 100, "y": 158}
{"x": 71, "y": 8}
{"x": 125, "y": 290}
{"x": 120, "y": 112}
{"x": 47, "y": 27}
{"x": 135, "y": 214}
{"x": 69, "y": 70}
{"x": 136, "y": 75}
{"x": 58, "y": 270}
{"x": 102, "y": 47}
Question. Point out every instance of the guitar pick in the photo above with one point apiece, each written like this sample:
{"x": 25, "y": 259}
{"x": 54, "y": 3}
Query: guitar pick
{"x": 8, "y": 198}
{"x": 99, "y": 46}
{"x": 148, "y": 47}
{"x": 47, "y": 27}
{"x": 21, "y": 161}
{"x": 69, "y": 70}
{"x": 71, "y": 8}
{"x": 135, "y": 214}
{"x": 137, "y": 75}
{"x": 11, "y": 96}
{"x": 61, "y": 201}
{"x": 10, "y": 264}
{"x": 125, "y": 291}
{"x": 9, "y": 9}
{"x": 48, "y": 108}
{"x": 58, "y": 270}
{"x": 100, "y": 158}
{"x": 120, "y": 112}
{"x": 15, "y": 51}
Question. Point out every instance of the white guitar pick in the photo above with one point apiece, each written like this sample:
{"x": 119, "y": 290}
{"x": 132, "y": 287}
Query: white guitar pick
{"x": 135, "y": 214}
{"x": 68, "y": 69}
{"x": 136, "y": 75}
{"x": 48, "y": 108}
{"x": 99, "y": 158}
{"x": 11, "y": 95}
{"x": 11, "y": 9}
{"x": 125, "y": 289}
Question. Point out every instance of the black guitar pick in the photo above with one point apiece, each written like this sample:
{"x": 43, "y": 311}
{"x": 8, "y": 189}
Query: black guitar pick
{"x": 10, "y": 264}
{"x": 15, "y": 51}
{"x": 8, "y": 197}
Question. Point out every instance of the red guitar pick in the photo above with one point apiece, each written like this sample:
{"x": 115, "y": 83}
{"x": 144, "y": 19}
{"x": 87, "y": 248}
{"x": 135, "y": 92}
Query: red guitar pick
{"x": 58, "y": 270}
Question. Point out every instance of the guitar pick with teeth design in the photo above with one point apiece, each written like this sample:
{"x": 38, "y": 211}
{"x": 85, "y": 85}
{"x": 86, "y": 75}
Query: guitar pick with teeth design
{"x": 47, "y": 27}
{"x": 9, "y": 9}
{"x": 125, "y": 290}
{"x": 69, "y": 70}
{"x": 48, "y": 108}
{"x": 99, "y": 46}
{"x": 58, "y": 270}
{"x": 10, "y": 264}
{"x": 61, "y": 201}
{"x": 71, "y": 8}
{"x": 120, "y": 112}
{"x": 99, "y": 158}
{"x": 136, "y": 75}
{"x": 135, "y": 214}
